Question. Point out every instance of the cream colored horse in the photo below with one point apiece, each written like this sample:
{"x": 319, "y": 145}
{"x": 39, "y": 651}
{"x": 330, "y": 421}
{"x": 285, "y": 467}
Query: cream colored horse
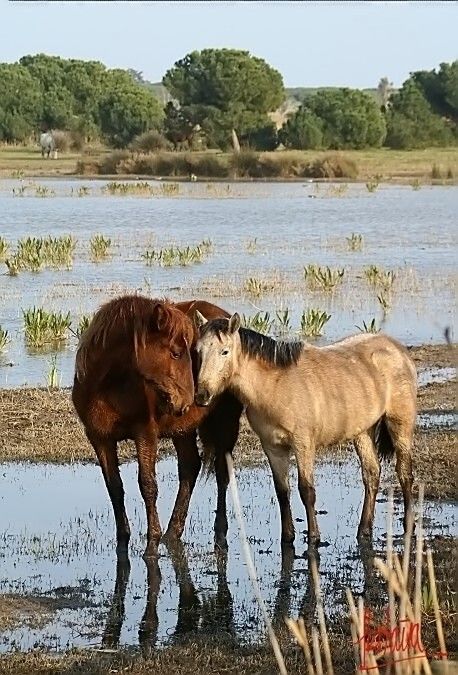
{"x": 299, "y": 397}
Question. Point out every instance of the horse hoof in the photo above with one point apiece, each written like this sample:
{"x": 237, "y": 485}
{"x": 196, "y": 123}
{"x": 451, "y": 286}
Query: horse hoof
{"x": 221, "y": 543}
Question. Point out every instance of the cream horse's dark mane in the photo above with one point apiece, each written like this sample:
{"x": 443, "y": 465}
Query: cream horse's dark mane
{"x": 281, "y": 353}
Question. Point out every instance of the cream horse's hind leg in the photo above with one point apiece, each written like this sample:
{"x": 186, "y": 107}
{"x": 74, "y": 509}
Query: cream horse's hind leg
{"x": 279, "y": 463}
{"x": 370, "y": 468}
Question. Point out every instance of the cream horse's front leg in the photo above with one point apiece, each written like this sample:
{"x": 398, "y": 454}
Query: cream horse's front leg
{"x": 305, "y": 458}
{"x": 279, "y": 463}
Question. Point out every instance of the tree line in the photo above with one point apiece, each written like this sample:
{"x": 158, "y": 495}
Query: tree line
{"x": 218, "y": 98}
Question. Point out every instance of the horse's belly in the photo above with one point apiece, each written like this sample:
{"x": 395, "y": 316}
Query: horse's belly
{"x": 271, "y": 434}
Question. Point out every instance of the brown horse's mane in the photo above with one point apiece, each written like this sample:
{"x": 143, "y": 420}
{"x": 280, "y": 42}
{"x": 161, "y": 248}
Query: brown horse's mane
{"x": 130, "y": 319}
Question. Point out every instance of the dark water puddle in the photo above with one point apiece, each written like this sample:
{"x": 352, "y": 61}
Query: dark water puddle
{"x": 56, "y": 541}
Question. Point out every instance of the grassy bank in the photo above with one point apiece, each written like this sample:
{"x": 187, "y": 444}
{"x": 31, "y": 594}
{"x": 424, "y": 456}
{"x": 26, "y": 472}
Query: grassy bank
{"x": 429, "y": 165}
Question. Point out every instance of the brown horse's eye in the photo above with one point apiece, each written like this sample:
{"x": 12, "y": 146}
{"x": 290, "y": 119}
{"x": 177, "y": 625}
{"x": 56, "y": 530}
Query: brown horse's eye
{"x": 176, "y": 355}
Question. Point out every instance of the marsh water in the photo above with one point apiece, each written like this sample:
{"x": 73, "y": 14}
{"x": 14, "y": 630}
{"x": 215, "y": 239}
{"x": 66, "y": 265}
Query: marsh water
{"x": 261, "y": 230}
{"x": 59, "y": 552}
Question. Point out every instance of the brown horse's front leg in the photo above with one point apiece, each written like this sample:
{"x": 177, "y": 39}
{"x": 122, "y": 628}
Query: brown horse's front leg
{"x": 189, "y": 464}
{"x": 108, "y": 459}
{"x": 146, "y": 444}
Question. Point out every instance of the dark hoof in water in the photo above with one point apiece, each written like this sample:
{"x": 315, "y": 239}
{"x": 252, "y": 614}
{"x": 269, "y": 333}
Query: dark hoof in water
{"x": 221, "y": 543}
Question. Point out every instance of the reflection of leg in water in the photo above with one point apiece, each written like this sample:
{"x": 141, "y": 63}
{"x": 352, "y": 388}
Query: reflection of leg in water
{"x": 308, "y": 605}
{"x": 218, "y": 611}
{"x": 373, "y": 586}
{"x": 283, "y": 598}
{"x": 116, "y": 613}
{"x": 147, "y": 634}
{"x": 188, "y": 602}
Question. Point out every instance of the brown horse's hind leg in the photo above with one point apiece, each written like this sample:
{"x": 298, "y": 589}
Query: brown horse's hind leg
{"x": 370, "y": 468}
{"x": 279, "y": 463}
{"x": 189, "y": 463}
{"x": 108, "y": 460}
{"x": 146, "y": 444}
{"x": 305, "y": 458}
{"x": 218, "y": 434}
{"x": 401, "y": 433}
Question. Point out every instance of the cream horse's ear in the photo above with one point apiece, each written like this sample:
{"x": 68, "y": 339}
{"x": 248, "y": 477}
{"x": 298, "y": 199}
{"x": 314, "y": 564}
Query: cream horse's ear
{"x": 234, "y": 323}
{"x": 199, "y": 319}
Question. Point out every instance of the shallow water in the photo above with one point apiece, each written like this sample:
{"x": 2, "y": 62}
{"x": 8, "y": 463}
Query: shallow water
{"x": 57, "y": 541}
{"x": 411, "y": 232}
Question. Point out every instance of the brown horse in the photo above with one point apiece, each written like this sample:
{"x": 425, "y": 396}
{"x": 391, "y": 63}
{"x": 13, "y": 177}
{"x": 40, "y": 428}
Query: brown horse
{"x": 300, "y": 397}
{"x": 133, "y": 380}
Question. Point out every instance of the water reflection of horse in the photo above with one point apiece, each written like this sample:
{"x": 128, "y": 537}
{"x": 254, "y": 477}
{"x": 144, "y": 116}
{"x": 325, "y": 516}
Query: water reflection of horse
{"x": 213, "y": 614}
{"x": 207, "y": 616}
{"x": 134, "y": 381}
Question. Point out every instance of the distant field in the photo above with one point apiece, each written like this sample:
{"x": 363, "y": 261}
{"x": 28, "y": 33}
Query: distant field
{"x": 384, "y": 163}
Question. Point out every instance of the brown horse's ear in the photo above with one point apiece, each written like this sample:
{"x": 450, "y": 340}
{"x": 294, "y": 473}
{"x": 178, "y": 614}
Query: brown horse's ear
{"x": 199, "y": 319}
{"x": 159, "y": 318}
{"x": 234, "y": 323}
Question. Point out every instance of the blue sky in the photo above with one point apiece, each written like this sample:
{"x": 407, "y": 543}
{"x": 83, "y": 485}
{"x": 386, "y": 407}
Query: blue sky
{"x": 322, "y": 43}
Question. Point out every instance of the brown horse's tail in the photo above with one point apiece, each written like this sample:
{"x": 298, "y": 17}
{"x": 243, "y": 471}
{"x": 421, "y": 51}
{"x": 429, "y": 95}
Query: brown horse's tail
{"x": 383, "y": 440}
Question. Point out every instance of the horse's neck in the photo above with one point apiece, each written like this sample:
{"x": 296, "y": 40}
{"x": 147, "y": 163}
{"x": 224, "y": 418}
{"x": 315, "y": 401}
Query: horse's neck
{"x": 247, "y": 382}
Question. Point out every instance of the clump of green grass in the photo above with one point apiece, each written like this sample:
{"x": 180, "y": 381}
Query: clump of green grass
{"x": 174, "y": 255}
{"x": 261, "y": 323}
{"x": 42, "y": 327}
{"x": 128, "y": 188}
{"x": 355, "y": 242}
{"x": 283, "y": 320}
{"x": 256, "y": 287}
{"x": 313, "y": 322}
{"x": 380, "y": 278}
{"x": 3, "y": 248}
{"x": 323, "y": 278}
{"x": 19, "y": 191}
{"x": 372, "y": 184}
{"x": 416, "y": 184}
{"x": 4, "y": 339}
{"x": 99, "y": 246}
{"x": 384, "y": 302}
{"x": 252, "y": 245}
{"x": 53, "y": 378}
{"x": 59, "y": 251}
{"x": 83, "y": 191}
{"x": 43, "y": 191}
{"x": 83, "y": 324}
{"x": 370, "y": 327}
{"x": 13, "y": 265}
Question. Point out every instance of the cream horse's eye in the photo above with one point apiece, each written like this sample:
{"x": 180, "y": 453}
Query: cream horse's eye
{"x": 224, "y": 352}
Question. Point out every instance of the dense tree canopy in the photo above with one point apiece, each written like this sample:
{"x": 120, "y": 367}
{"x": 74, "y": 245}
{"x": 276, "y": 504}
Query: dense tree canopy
{"x": 47, "y": 92}
{"x": 217, "y": 92}
{"x": 337, "y": 119}
{"x": 225, "y": 89}
{"x": 411, "y": 122}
